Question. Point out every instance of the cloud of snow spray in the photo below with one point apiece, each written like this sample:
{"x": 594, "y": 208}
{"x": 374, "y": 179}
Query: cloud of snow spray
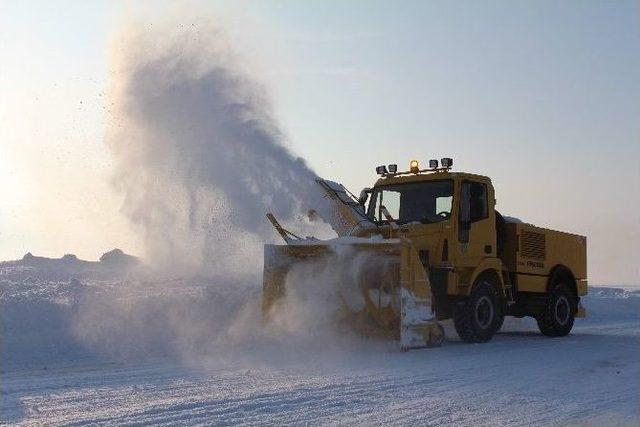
{"x": 206, "y": 322}
{"x": 199, "y": 156}
{"x": 200, "y": 159}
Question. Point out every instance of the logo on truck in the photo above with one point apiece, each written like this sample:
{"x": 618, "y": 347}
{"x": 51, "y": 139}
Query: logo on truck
{"x": 535, "y": 264}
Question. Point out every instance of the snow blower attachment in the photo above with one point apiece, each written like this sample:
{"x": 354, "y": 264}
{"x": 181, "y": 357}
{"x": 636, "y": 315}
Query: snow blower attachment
{"x": 384, "y": 288}
{"x": 389, "y": 296}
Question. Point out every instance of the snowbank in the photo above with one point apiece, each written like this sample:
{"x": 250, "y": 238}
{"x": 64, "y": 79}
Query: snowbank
{"x": 607, "y": 305}
{"x": 60, "y": 311}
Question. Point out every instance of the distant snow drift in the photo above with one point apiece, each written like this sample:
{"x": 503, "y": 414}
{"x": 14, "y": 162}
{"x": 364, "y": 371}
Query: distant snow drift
{"x": 199, "y": 156}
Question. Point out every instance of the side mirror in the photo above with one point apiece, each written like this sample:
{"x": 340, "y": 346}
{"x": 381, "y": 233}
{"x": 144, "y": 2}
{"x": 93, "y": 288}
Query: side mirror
{"x": 364, "y": 196}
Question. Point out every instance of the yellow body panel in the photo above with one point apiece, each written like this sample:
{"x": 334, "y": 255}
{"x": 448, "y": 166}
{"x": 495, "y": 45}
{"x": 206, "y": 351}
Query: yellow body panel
{"x": 536, "y": 250}
{"x": 530, "y": 283}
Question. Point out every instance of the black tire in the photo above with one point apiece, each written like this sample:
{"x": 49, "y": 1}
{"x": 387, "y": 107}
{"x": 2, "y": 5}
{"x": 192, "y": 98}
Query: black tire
{"x": 478, "y": 317}
{"x": 557, "y": 319}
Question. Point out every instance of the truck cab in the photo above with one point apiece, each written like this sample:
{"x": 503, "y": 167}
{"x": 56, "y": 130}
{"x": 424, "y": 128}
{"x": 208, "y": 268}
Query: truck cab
{"x": 481, "y": 266}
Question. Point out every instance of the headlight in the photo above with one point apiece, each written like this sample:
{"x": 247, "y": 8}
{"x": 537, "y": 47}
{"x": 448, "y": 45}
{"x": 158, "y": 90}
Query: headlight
{"x": 381, "y": 170}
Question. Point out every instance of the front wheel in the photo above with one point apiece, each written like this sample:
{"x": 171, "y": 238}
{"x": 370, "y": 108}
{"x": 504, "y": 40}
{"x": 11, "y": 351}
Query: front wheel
{"x": 557, "y": 319}
{"x": 478, "y": 317}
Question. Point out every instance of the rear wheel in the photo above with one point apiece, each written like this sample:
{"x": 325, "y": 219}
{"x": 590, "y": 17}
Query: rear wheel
{"x": 478, "y": 317}
{"x": 557, "y": 319}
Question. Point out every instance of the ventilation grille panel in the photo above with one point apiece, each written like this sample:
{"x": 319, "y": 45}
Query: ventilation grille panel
{"x": 533, "y": 245}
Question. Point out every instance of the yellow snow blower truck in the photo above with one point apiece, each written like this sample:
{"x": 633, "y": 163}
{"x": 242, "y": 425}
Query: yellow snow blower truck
{"x": 426, "y": 245}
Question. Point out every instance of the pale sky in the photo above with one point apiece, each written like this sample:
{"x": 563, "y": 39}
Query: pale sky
{"x": 542, "y": 96}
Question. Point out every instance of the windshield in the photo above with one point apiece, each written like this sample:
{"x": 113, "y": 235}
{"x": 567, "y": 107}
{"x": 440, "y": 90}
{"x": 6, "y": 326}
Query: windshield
{"x": 423, "y": 202}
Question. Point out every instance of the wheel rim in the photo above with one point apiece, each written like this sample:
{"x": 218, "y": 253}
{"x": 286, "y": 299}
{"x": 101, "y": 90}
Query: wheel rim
{"x": 562, "y": 310}
{"x": 484, "y": 312}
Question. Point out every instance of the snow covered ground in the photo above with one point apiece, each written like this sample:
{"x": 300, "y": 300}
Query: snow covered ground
{"x": 102, "y": 347}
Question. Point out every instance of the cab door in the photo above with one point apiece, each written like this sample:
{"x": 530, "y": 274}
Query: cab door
{"x": 476, "y": 224}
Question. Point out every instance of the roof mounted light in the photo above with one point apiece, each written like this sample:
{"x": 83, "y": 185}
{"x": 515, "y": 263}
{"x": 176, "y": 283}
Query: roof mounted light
{"x": 393, "y": 168}
{"x": 381, "y": 170}
{"x": 414, "y": 167}
{"x": 447, "y": 162}
{"x": 433, "y": 164}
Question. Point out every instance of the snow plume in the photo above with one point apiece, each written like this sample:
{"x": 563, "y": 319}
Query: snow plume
{"x": 199, "y": 159}
{"x": 199, "y": 156}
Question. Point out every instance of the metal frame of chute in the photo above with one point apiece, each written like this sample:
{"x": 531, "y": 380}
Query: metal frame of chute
{"x": 286, "y": 235}
{"x": 351, "y": 202}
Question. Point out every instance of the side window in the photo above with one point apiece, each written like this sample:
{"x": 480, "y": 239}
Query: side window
{"x": 443, "y": 204}
{"x": 478, "y": 201}
{"x": 474, "y": 203}
{"x": 391, "y": 201}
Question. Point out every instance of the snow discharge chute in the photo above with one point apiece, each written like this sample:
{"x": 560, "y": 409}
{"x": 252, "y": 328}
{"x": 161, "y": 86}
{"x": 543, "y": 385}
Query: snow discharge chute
{"x": 381, "y": 282}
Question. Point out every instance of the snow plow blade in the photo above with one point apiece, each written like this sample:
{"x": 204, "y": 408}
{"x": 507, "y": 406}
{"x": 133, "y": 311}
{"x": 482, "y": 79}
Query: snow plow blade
{"x": 383, "y": 286}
